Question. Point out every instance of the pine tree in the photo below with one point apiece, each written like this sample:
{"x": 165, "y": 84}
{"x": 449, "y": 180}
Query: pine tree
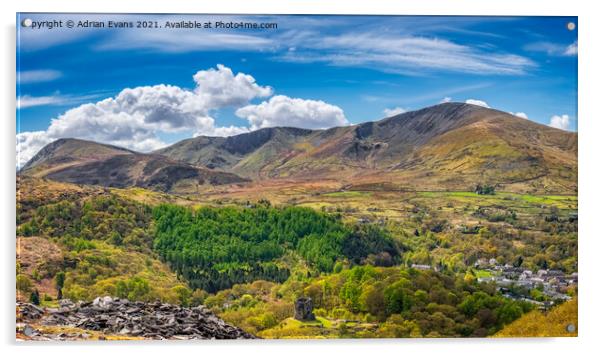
{"x": 59, "y": 280}
{"x": 34, "y": 298}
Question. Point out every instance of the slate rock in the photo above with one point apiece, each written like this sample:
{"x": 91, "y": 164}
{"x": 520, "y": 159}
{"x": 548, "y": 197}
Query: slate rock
{"x": 150, "y": 320}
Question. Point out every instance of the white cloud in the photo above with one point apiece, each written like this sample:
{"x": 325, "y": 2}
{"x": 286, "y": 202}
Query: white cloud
{"x": 30, "y": 101}
{"x": 388, "y": 45}
{"x": 220, "y": 88}
{"x": 520, "y": 115}
{"x": 477, "y": 103}
{"x": 27, "y": 101}
{"x": 28, "y": 144}
{"x": 135, "y": 116}
{"x": 185, "y": 41}
{"x": 293, "y": 112}
{"x": 571, "y": 49}
{"x": 445, "y": 100}
{"x": 224, "y": 131}
{"x": 402, "y": 54}
{"x": 553, "y": 49}
{"x": 560, "y": 122}
{"x": 30, "y": 76}
{"x": 393, "y": 111}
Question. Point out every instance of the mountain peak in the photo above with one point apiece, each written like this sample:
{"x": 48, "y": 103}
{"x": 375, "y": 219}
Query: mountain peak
{"x": 67, "y": 150}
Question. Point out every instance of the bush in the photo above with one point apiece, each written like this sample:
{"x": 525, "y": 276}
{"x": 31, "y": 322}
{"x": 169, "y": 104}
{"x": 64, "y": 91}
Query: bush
{"x": 485, "y": 189}
{"x": 134, "y": 289}
{"x": 23, "y": 283}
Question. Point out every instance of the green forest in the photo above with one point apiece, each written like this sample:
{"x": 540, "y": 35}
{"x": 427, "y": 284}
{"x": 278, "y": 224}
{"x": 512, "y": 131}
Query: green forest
{"x": 215, "y": 248}
{"x": 403, "y": 302}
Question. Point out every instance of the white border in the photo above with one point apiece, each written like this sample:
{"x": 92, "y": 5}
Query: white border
{"x": 590, "y": 246}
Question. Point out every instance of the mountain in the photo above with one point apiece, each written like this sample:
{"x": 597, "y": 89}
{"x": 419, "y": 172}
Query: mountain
{"x": 447, "y": 146}
{"x": 86, "y": 162}
{"x": 255, "y": 154}
{"x": 450, "y": 146}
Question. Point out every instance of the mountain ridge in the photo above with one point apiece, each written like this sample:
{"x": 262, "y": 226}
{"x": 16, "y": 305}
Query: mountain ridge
{"x": 449, "y": 139}
{"x": 446, "y": 146}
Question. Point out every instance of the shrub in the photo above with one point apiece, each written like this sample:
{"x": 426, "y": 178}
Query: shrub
{"x": 23, "y": 283}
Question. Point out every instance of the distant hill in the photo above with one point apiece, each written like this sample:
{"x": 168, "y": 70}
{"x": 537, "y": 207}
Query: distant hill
{"x": 86, "y": 162}
{"x": 447, "y": 146}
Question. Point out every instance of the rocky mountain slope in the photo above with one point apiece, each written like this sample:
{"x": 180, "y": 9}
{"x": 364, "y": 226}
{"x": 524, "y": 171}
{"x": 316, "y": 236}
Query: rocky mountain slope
{"x": 447, "y": 146}
{"x": 85, "y": 162}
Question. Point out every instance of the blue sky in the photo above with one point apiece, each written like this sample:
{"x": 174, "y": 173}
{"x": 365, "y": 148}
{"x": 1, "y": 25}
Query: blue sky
{"x": 311, "y": 71}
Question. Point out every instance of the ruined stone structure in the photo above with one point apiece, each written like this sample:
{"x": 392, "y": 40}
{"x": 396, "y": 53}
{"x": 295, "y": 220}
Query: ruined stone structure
{"x": 304, "y": 309}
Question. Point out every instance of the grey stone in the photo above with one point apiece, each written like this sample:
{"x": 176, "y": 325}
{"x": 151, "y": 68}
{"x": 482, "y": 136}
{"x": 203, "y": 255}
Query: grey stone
{"x": 150, "y": 320}
{"x": 28, "y": 331}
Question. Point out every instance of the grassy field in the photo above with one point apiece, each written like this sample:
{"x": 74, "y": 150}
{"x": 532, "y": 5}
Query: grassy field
{"x": 321, "y": 328}
{"x": 347, "y": 194}
{"x": 483, "y": 274}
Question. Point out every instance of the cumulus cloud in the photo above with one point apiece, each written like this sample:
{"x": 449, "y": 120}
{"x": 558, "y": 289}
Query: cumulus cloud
{"x": 520, "y": 115}
{"x": 120, "y": 121}
{"x": 445, "y": 100}
{"x": 477, "y": 103}
{"x": 390, "y": 112}
{"x": 135, "y": 116}
{"x": 292, "y": 112}
{"x": 224, "y": 131}
{"x": 220, "y": 88}
{"x": 560, "y": 122}
{"x": 29, "y": 143}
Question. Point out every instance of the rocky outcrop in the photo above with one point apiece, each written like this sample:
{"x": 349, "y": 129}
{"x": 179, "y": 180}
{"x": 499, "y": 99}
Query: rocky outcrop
{"x": 29, "y": 312}
{"x": 149, "y": 320}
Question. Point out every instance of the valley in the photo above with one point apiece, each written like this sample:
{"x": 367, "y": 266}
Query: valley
{"x": 405, "y": 227}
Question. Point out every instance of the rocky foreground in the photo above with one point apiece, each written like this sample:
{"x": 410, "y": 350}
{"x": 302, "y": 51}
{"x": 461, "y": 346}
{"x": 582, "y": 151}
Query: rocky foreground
{"x": 125, "y": 318}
